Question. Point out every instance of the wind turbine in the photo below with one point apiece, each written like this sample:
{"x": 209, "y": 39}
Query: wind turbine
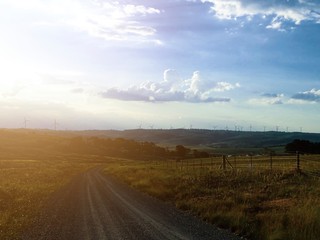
{"x": 25, "y": 122}
{"x": 55, "y": 124}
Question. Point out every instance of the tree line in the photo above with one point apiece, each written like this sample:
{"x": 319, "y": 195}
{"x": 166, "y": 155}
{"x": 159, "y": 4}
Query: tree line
{"x": 25, "y": 142}
{"x": 130, "y": 148}
{"x": 303, "y": 146}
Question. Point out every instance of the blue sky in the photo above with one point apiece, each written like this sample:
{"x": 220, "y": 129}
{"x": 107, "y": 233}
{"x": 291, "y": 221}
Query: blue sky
{"x": 179, "y": 63}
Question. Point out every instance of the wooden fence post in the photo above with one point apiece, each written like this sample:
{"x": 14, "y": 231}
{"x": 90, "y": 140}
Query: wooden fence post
{"x": 298, "y": 161}
{"x": 193, "y": 164}
{"x": 224, "y": 162}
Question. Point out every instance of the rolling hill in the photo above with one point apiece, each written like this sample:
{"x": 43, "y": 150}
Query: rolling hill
{"x": 210, "y": 138}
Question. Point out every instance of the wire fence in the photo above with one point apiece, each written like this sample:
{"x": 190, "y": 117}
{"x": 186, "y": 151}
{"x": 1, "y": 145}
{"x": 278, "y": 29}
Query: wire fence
{"x": 303, "y": 163}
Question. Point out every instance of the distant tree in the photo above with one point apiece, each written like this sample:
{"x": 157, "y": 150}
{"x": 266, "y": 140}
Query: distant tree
{"x": 303, "y": 146}
{"x": 195, "y": 153}
{"x": 200, "y": 154}
{"x": 182, "y": 151}
{"x": 204, "y": 154}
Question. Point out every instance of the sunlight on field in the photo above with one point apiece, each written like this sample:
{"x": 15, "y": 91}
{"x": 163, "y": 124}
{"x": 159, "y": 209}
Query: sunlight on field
{"x": 257, "y": 196}
{"x": 25, "y": 184}
{"x": 254, "y": 202}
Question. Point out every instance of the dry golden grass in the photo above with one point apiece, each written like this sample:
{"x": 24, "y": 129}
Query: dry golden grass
{"x": 25, "y": 184}
{"x": 257, "y": 204}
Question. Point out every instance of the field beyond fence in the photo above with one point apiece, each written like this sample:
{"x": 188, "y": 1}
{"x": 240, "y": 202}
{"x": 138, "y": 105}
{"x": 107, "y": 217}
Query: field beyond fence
{"x": 257, "y": 197}
{"x": 308, "y": 164}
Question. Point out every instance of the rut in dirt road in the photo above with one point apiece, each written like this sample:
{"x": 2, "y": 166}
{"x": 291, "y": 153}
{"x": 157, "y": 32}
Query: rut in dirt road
{"x": 94, "y": 206}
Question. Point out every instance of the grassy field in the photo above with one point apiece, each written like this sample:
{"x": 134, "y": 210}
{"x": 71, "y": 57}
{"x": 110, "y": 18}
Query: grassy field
{"x": 254, "y": 202}
{"x": 25, "y": 184}
{"x": 251, "y": 197}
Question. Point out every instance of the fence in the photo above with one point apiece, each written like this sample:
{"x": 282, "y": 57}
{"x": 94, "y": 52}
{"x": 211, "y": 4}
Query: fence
{"x": 309, "y": 164}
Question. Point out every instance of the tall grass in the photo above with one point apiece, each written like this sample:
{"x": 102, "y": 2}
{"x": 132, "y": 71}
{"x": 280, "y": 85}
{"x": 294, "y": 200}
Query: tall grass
{"x": 257, "y": 204}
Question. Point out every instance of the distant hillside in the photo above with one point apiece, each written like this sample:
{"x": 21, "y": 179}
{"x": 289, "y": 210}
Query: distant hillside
{"x": 189, "y": 137}
{"x": 213, "y": 138}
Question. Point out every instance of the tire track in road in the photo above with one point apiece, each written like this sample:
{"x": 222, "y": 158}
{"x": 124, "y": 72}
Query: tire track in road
{"x": 97, "y": 207}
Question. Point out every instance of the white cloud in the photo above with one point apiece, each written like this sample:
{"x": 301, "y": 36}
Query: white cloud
{"x": 275, "y": 25}
{"x": 265, "y": 101}
{"x": 173, "y": 88}
{"x": 295, "y": 12}
{"x": 132, "y": 10}
{"x": 171, "y": 75}
{"x": 268, "y": 99}
{"x": 107, "y": 20}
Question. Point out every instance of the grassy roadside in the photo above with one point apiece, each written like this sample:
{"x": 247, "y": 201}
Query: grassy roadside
{"x": 25, "y": 184}
{"x": 255, "y": 204}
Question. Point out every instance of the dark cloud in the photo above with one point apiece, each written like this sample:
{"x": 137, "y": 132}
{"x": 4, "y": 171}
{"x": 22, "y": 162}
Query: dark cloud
{"x": 312, "y": 96}
{"x": 272, "y": 95}
{"x": 124, "y": 95}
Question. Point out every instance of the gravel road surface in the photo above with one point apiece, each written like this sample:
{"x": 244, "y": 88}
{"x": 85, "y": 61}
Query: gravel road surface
{"x": 94, "y": 206}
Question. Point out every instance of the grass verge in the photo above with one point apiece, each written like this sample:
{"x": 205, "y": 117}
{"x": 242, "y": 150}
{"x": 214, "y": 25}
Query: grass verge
{"x": 26, "y": 183}
{"x": 255, "y": 204}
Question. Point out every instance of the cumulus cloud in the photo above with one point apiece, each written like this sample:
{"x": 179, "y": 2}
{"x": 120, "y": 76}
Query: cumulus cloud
{"x": 295, "y": 11}
{"x": 173, "y": 88}
{"x": 309, "y": 96}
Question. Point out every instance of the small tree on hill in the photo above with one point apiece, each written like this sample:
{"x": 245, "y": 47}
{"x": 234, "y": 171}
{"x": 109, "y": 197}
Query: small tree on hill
{"x": 182, "y": 151}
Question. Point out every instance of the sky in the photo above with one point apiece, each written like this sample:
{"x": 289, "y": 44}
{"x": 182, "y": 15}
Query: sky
{"x": 214, "y": 64}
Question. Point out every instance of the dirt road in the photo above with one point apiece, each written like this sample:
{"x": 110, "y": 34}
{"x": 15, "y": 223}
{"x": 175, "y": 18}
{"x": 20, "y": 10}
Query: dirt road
{"x": 94, "y": 206}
